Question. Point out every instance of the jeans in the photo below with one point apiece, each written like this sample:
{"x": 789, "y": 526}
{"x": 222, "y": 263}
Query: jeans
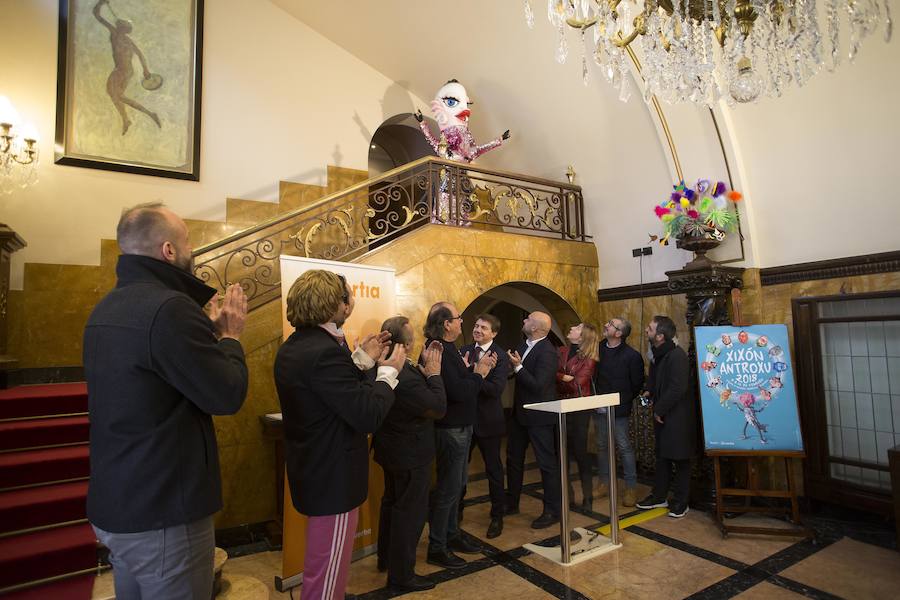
{"x": 623, "y": 443}
{"x": 451, "y": 446}
{"x": 175, "y": 562}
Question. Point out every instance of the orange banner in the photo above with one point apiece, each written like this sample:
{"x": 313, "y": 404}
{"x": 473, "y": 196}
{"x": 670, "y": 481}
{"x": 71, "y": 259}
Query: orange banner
{"x": 375, "y": 296}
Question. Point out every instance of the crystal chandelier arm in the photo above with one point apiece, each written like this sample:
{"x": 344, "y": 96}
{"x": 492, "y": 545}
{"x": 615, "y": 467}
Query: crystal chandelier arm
{"x": 5, "y": 138}
{"x": 27, "y": 156}
{"x": 640, "y": 28}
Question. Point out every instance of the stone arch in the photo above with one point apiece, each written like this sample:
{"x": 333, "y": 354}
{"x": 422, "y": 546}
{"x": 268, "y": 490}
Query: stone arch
{"x": 520, "y": 298}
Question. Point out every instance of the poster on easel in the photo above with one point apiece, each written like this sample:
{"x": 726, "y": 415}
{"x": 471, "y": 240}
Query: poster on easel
{"x": 374, "y": 292}
{"x": 747, "y": 393}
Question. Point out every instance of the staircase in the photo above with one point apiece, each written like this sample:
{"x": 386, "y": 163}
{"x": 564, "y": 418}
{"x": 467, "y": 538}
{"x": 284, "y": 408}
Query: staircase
{"x": 47, "y": 547}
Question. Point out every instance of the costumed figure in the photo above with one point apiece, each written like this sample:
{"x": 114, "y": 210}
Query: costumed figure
{"x": 451, "y": 110}
{"x": 747, "y": 405}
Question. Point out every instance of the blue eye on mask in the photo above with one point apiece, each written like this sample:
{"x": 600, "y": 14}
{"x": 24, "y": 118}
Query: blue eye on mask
{"x": 451, "y": 102}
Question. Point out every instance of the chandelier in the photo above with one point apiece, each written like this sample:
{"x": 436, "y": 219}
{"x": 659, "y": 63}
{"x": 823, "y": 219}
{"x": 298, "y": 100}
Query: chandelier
{"x": 703, "y": 50}
{"x": 19, "y": 151}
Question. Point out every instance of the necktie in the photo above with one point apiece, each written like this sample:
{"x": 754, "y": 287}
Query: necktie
{"x": 476, "y": 354}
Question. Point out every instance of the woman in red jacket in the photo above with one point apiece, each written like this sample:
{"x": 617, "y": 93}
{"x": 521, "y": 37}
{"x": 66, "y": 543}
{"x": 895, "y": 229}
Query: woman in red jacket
{"x": 573, "y": 379}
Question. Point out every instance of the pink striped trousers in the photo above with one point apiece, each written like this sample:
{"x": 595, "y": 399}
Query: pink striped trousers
{"x": 329, "y": 546}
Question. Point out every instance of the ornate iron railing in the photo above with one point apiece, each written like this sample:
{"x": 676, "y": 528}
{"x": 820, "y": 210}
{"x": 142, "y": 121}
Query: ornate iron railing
{"x": 349, "y": 223}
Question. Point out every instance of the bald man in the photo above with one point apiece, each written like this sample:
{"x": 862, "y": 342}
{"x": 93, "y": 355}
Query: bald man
{"x": 534, "y": 364}
{"x": 157, "y": 367}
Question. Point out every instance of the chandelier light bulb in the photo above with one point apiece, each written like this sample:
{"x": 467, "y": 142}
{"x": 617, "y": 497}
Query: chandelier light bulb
{"x": 747, "y": 85}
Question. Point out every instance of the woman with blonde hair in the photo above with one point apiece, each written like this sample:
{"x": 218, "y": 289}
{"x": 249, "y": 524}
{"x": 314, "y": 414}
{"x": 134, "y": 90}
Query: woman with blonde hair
{"x": 574, "y": 373}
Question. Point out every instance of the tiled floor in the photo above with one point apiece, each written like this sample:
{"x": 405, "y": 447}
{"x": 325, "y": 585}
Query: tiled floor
{"x": 661, "y": 558}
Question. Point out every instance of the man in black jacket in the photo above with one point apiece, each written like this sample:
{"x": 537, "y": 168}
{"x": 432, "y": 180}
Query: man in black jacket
{"x": 329, "y": 406}
{"x": 620, "y": 369}
{"x": 157, "y": 367}
{"x": 404, "y": 447}
{"x": 491, "y": 422}
{"x": 453, "y": 435}
{"x": 534, "y": 364}
{"x": 673, "y": 411}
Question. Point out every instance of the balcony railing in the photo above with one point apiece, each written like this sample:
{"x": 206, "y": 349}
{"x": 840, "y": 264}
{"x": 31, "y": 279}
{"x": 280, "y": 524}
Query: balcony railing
{"x": 349, "y": 223}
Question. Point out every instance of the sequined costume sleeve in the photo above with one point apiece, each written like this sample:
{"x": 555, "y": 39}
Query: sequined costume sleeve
{"x": 429, "y": 137}
{"x": 479, "y": 150}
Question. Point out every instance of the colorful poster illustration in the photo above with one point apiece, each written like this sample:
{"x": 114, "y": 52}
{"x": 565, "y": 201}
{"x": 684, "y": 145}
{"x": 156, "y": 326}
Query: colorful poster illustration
{"x": 747, "y": 392}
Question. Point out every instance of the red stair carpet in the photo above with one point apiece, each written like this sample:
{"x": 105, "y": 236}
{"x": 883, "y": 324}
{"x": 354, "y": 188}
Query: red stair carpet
{"x": 44, "y": 467}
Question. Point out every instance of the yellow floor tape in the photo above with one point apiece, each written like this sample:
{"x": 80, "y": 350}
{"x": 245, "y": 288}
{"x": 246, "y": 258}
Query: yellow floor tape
{"x": 635, "y": 519}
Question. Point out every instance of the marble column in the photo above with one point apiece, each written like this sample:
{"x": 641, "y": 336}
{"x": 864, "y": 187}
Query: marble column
{"x": 707, "y": 286}
{"x": 10, "y": 242}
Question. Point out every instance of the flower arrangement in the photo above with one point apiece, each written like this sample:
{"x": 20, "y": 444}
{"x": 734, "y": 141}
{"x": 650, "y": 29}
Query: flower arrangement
{"x": 698, "y": 212}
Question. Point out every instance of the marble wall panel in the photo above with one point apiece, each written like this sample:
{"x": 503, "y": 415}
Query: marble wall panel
{"x": 292, "y": 196}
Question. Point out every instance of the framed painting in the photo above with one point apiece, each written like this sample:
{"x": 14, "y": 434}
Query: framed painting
{"x": 747, "y": 394}
{"x": 128, "y": 89}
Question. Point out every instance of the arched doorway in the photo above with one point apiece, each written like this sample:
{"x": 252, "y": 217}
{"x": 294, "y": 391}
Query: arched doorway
{"x": 511, "y": 302}
{"x": 396, "y": 142}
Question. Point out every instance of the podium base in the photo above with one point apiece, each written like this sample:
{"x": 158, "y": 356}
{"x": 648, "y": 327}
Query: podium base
{"x": 591, "y": 544}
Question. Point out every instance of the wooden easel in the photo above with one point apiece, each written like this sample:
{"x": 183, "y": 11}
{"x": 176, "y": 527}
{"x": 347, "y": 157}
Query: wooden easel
{"x": 753, "y": 489}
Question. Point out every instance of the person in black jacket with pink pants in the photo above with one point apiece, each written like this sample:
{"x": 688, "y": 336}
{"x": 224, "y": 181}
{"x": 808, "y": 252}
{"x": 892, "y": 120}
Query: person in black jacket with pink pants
{"x": 329, "y": 406}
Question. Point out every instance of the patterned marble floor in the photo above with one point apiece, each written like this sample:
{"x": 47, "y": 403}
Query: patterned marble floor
{"x": 662, "y": 558}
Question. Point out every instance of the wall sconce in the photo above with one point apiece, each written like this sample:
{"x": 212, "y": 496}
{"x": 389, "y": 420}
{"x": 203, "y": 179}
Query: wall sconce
{"x": 19, "y": 152}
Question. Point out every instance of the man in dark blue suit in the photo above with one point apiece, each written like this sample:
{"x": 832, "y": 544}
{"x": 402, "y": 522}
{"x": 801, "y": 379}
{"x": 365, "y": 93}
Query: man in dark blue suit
{"x": 535, "y": 367}
{"x": 490, "y": 424}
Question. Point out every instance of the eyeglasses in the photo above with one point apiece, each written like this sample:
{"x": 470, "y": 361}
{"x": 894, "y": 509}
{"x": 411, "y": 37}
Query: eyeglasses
{"x": 613, "y": 325}
{"x": 455, "y": 318}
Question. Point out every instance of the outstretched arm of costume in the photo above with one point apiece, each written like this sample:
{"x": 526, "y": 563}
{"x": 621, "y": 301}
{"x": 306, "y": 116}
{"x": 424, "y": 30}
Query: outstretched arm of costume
{"x": 429, "y": 137}
{"x": 479, "y": 150}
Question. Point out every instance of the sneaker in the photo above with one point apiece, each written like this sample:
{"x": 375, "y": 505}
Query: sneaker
{"x": 629, "y": 497}
{"x": 651, "y": 502}
{"x": 676, "y": 512}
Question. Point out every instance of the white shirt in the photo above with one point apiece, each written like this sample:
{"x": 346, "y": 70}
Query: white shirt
{"x": 529, "y": 344}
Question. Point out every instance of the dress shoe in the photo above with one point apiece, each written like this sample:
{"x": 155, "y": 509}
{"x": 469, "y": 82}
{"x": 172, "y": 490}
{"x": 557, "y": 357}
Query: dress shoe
{"x": 416, "y": 584}
{"x": 445, "y": 559}
{"x": 629, "y": 497}
{"x": 459, "y": 544}
{"x": 544, "y": 521}
{"x": 495, "y": 528}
